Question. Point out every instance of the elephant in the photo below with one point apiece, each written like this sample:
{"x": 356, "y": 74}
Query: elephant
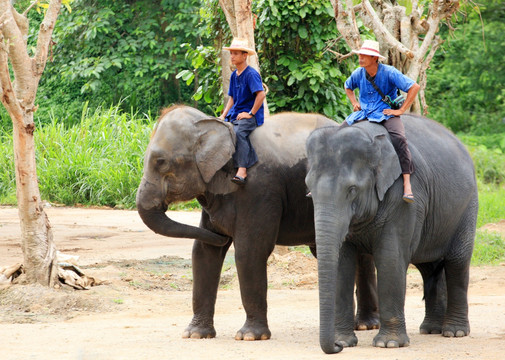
{"x": 190, "y": 156}
{"x": 354, "y": 177}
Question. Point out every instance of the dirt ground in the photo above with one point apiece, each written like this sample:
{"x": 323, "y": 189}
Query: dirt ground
{"x": 144, "y": 305}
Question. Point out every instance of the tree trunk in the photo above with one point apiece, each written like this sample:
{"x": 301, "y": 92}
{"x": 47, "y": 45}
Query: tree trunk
{"x": 240, "y": 20}
{"x": 37, "y": 241}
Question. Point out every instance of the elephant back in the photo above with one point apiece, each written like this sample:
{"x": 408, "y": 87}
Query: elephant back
{"x": 281, "y": 139}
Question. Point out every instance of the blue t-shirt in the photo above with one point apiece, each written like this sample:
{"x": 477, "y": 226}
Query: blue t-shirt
{"x": 388, "y": 79}
{"x": 242, "y": 89}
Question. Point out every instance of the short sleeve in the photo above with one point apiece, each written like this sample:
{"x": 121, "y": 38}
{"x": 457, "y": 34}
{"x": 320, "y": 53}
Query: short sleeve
{"x": 255, "y": 82}
{"x": 402, "y": 82}
{"x": 352, "y": 81}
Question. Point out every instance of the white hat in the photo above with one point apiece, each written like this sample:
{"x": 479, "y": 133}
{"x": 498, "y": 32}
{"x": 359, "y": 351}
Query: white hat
{"x": 240, "y": 45}
{"x": 370, "y": 47}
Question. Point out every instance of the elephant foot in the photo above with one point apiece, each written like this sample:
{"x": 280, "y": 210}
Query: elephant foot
{"x": 366, "y": 322}
{"x": 250, "y": 333}
{"x": 430, "y": 327}
{"x": 350, "y": 340}
{"x": 391, "y": 341}
{"x": 199, "y": 332}
{"x": 450, "y": 330}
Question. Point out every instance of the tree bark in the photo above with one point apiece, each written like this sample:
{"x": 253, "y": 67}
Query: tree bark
{"x": 18, "y": 97}
{"x": 398, "y": 33}
{"x": 240, "y": 20}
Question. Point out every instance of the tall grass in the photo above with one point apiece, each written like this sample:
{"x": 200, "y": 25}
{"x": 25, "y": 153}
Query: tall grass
{"x": 98, "y": 162}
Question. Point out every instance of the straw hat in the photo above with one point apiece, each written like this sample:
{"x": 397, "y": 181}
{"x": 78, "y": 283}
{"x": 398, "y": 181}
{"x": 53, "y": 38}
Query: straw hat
{"x": 370, "y": 47}
{"x": 240, "y": 45}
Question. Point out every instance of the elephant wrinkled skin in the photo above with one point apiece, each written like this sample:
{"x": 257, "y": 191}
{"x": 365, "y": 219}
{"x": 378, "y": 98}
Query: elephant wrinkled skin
{"x": 354, "y": 177}
{"x": 190, "y": 156}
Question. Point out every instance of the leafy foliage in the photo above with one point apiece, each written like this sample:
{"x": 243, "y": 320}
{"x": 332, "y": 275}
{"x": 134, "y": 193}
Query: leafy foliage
{"x": 465, "y": 86}
{"x": 292, "y": 37}
{"x": 124, "y": 52}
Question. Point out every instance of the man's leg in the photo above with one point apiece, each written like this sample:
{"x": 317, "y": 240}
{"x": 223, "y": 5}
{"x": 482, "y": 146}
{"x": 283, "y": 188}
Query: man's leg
{"x": 244, "y": 156}
{"x": 396, "y": 130}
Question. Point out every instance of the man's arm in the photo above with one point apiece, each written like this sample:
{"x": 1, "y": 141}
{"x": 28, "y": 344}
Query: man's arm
{"x": 352, "y": 97}
{"x": 258, "y": 101}
{"x": 411, "y": 96}
{"x": 227, "y": 108}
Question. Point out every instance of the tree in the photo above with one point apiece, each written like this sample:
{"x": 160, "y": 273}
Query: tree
{"x": 17, "y": 94}
{"x": 407, "y": 31}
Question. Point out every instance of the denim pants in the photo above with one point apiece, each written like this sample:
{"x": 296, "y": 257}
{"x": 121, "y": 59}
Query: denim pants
{"x": 244, "y": 155}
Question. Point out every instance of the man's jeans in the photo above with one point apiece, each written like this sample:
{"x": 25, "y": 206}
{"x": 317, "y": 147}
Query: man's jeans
{"x": 244, "y": 156}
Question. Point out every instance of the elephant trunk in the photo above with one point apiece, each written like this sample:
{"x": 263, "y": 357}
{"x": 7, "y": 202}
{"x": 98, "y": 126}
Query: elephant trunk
{"x": 153, "y": 214}
{"x": 329, "y": 238}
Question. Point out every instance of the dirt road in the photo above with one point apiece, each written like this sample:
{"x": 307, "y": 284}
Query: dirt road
{"x": 145, "y": 304}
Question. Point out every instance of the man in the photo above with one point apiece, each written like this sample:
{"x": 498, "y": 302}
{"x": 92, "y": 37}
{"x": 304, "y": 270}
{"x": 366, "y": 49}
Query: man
{"x": 371, "y": 106}
{"x": 244, "y": 108}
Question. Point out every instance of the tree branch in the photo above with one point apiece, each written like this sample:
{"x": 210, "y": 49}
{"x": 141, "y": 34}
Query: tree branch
{"x": 7, "y": 94}
{"x": 346, "y": 22}
{"x": 30, "y": 7}
{"x": 382, "y": 32}
{"x": 17, "y": 43}
{"x": 45, "y": 34}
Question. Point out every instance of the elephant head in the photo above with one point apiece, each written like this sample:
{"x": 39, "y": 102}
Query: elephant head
{"x": 349, "y": 172}
{"x": 186, "y": 151}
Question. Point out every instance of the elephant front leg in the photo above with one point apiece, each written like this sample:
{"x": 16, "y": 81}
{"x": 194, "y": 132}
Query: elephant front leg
{"x": 207, "y": 262}
{"x": 391, "y": 281}
{"x": 252, "y": 277}
{"x": 344, "y": 322}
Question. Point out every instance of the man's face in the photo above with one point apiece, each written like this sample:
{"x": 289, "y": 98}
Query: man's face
{"x": 238, "y": 57}
{"x": 367, "y": 60}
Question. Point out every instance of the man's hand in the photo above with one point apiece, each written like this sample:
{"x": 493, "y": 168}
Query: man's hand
{"x": 244, "y": 115}
{"x": 356, "y": 106}
{"x": 393, "y": 112}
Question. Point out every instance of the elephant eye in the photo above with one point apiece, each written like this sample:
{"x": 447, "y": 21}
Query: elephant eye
{"x": 352, "y": 191}
{"x": 160, "y": 162}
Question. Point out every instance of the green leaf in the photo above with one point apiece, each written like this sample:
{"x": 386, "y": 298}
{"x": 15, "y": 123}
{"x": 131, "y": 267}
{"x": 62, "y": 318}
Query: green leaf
{"x": 291, "y": 80}
{"x": 302, "y": 31}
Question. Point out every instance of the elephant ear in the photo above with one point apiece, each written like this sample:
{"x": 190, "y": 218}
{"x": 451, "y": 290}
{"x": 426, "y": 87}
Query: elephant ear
{"x": 387, "y": 166}
{"x": 215, "y": 146}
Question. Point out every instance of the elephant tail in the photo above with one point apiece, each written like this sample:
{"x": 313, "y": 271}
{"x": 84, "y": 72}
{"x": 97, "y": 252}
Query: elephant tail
{"x": 432, "y": 279}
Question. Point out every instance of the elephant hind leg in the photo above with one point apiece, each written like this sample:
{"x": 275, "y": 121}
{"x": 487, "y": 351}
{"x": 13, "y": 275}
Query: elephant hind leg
{"x": 435, "y": 297}
{"x": 367, "y": 314}
{"x": 456, "y": 323}
{"x": 457, "y": 274}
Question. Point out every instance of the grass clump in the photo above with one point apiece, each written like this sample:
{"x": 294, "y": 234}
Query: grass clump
{"x": 489, "y": 248}
{"x": 98, "y": 162}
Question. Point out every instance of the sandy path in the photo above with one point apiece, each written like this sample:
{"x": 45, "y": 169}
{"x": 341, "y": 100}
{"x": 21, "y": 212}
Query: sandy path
{"x": 136, "y": 321}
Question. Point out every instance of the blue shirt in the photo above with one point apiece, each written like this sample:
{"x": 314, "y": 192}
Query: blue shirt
{"x": 242, "y": 90}
{"x": 388, "y": 79}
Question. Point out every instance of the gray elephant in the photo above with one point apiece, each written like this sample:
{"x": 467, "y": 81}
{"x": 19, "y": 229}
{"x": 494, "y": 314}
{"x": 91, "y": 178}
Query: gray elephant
{"x": 190, "y": 156}
{"x": 354, "y": 177}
